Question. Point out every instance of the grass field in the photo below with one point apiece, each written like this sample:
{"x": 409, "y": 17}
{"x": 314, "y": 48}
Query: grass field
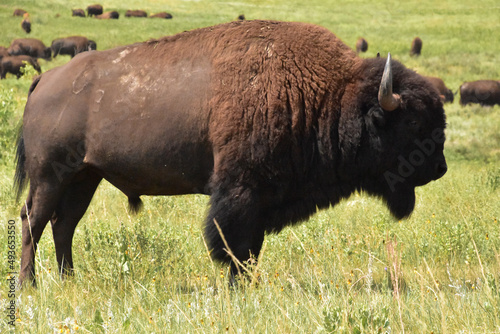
{"x": 349, "y": 269}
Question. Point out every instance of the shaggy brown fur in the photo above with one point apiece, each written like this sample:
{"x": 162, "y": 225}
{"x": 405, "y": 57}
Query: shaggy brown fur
{"x": 273, "y": 120}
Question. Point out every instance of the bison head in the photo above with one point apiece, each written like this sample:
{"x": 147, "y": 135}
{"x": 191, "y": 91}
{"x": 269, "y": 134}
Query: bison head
{"x": 402, "y": 144}
{"x": 47, "y": 54}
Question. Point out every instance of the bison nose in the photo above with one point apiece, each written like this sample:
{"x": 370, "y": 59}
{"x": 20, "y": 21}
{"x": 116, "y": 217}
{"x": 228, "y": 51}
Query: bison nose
{"x": 441, "y": 169}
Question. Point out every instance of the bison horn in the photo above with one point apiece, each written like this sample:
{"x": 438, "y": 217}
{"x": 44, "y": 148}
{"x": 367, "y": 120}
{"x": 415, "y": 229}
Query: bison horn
{"x": 387, "y": 100}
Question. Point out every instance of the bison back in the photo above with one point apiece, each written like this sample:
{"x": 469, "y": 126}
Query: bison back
{"x": 173, "y": 109}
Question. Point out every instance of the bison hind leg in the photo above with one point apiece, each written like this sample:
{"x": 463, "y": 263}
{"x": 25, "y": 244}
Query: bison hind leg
{"x": 35, "y": 214}
{"x": 134, "y": 204}
{"x": 71, "y": 207}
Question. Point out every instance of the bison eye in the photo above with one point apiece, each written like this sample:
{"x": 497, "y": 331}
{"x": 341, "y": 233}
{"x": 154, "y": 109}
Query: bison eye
{"x": 414, "y": 125}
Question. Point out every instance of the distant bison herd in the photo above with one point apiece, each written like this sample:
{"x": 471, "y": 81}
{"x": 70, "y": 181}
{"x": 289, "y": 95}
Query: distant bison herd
{"x": 24, "y": 51}
{"x": 98, "y": 12}
{"x": 483, "y": 92}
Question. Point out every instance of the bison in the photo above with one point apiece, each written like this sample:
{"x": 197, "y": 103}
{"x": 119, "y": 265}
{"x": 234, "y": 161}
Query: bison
{"x": 108, "y": 15}
{"x": 272, "y": 119}
{"x": 72, "y": 45}
{"x": 13, "y": 64}
{"x": 136, "y": 13}
{"x": 416, "y": 47}
{"x": 484, "y": 92}
{"x": 94, "y": 10}
{"x": 361, "y": 45}
{"x": 26, "y": 23}
{"x": 162, "y": 15}
{"x": 78, "y": 12}
{"x": 30, "y": 47}
{"x": 445, "y": 93}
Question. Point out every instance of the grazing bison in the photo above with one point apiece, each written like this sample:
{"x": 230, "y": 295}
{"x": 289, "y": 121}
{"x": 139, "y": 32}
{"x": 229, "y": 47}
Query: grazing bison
{"x": 273, "y": 120}
{"x": 444, "y": 92}
{"x": 162, "y": 15}
{"x": 108, "y": 15}
{"x": 26, "y": 23}
{"x": 13, "y": 64}
{"x": 72, "y": 45}
{"x": 361, "y": 45}
{"x": 30, "y": 47}
{"x": 416, "y": 47}
{"x": 136, "y": 13}
{"x": 94, "y": 10}
{"x": 19, "y": 12}
{"x": 92, "y": 45}
{"x": 78, "y": 12}
{"x": 484, "y": 92}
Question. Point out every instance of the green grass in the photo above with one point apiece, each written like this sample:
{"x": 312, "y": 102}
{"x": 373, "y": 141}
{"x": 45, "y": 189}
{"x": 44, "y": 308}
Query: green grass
{"x": 349, "y": 269}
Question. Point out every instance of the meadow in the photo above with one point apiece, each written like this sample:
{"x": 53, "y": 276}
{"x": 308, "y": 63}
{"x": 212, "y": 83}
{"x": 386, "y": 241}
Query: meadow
{"x": 349, "y": 269}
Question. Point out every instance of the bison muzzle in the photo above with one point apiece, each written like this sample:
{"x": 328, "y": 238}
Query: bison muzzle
{"x": 271, "y": 119}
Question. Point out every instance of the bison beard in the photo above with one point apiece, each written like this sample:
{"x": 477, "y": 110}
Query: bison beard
{"x": 273, "y": 120}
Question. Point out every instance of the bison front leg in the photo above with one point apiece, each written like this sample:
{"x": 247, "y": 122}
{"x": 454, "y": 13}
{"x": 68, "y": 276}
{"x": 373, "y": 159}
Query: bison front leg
{"x": 233, "y": 229}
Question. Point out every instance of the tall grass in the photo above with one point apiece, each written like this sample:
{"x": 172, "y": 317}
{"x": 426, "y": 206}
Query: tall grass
{"x": 349, "y": 269}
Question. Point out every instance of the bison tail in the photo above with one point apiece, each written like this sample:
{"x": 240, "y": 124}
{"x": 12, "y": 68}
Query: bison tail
{"x": 20, "y": 177}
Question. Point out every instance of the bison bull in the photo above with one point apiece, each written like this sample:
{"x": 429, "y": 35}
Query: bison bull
{"x": 271, "y": 119}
